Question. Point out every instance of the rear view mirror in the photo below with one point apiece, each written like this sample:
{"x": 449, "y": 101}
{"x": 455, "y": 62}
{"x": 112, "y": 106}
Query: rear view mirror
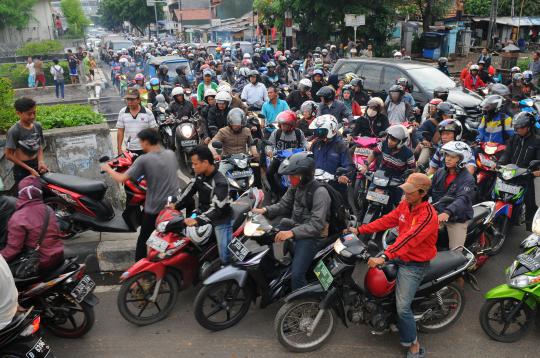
{"x": 104, "y": 159}
{"x": 341, "y": 171}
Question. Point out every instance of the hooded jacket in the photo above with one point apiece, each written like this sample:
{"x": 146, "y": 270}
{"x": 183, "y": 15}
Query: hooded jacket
{"x": 25, "y": 225}
{"x": 462, "y": 189}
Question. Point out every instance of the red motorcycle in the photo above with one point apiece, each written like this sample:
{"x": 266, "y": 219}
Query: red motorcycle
{"x": 177, "y": 258}
{"x": 486, "y": 161}
{"x": 80, "y": 203}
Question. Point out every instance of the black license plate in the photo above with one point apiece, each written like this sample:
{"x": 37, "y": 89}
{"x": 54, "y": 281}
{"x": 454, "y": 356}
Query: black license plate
{"x": 40, "y": 350}
{"x": 238, "y": 249}
{"x": 83, "y": 288}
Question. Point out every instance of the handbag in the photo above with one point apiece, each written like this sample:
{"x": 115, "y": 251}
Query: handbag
{"x": 27, "y": 264}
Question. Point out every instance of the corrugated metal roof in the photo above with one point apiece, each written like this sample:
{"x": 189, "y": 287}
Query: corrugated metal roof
{"x": 513, "y": 21}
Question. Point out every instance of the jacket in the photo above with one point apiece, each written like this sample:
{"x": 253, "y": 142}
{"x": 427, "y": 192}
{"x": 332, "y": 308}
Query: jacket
{"x": 331, "y": 155}
{"x": 309, "y": 224}
{"x": 462, "y": 189}
{"x": 337, "y": 109}
{"x": 180, "y": 110}
{"x": 217, "y": 118}
{"x": 234, "y": 143}
{"x": 473, "y": 83}
{"x": 182, "y": 81}
{"x": 7, "y": 208}
{"x": 499, "y": 129}
{"x": 295, "y": 99}
{"x": 370, "y": 127}
{"x": 200, "y": 90}
{"x": 25, "y": 225}
{"x": 418, "y": 231}
{"x": 361, "y": 97}
{"x": 521, "y": 150}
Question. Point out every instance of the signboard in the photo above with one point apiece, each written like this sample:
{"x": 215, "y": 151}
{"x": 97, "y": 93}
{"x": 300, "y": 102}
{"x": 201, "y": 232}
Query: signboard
{"x": 354, "y": 20}
{"x": 76, "y": 154}
{"x": 215, "y": 22}
{"x": 150, "y": 2}
{"x": 288, "y": 31}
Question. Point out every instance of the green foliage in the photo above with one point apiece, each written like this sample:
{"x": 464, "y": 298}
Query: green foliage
{"x": 77, "y": 20}
{"x": 427, "y": 11}
{"x": 44, "y": 47}
{"x": 16, "y": 13}
{"x": 114, "y": 12}
{"x": 7, "y": 112}
{"x": 417, "y": 44}
{"x": 523, "y": 63}
{"x": 18, "y": 74}
{"x": 482, "y": 7}
{"x": 67, "y": 115}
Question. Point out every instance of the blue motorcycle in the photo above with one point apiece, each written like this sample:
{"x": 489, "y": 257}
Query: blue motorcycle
{"x": 280, "y": 156}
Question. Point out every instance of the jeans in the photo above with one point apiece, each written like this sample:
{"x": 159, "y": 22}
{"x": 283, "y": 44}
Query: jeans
{"x": 148, "y": 225}
{"x": 59, "y": 87}
{"x": 19, "y": 173}
{"x": 224, "y": 237}
{"x": 304, "y": 252}
{"x": 409, "y": 278}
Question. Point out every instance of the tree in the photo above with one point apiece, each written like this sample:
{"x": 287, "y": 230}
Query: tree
{"x": 427, "y": 11}
{"x": 76, "y": 19}
{"x": 482, "y": 7}
{"x": 16, "y": 13}
{"x": 115, "y": 12}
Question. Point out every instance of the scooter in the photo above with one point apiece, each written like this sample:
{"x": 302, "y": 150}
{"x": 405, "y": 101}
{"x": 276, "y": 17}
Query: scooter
{"x": 306, "y": 321}
{"x": 363, "y": 148}
{"x": 242, "y": 175}
{"x": 280, "y": 156}
{"x": 167, "y": 125}
{"x": 186, "y": 138}
{"x": 486, "y": 161}
{"x": 177, "y": 259}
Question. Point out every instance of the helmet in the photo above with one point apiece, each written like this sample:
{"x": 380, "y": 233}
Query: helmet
{"x": 297, "y": 63}
{"x": 224, "y": 87}
{"x": 287, "y": 52}
{"x": 517, "y": 77}
{"x": 324, "y": 51}
{"x": 318, "y": 72}
{"x": 442, "y": 60}
{"x": 492, "y": 104}
{"x": 244, "y": 71}
{"x": 527, "y": 76}
{"x": 460, "y": 149}
{"x": 191, "y": 56}
{"x": 198, "y": 234}
{"x": 287, "y": 117}
{"x": 398, "y": 55}
{"x": 139, "y": 77}
{"x": 397, "y": 88}
{"x": 441, "y": 92}
{"x": 254, "y": 73}
{"x": 218, "y": 49}
{"x": 402, "y": 81}
{"x": 523, "y": 119}
{"x": 304, "y": 84}
{"x": 177, "y": 91}
{"x": 317, "y": 49}
{"x": 445, "y": 108}
{"x": 347, "y": 88}
{"x": 376, "y": 102}
{"x": 309, "y": 106}
{"x": 270, "y": 64}
{"x": 451, "y": 125}
{"x": 210, "y": 92}
{"x": 223, "y": 97}
{"x": 349, "y": 77}
{"x": 236, "y": 117}
{"x": 500, "y": 89}
{"x": 282, "y": 58}
{"x": 160, "y": 98}
{"x": 327, "y": 92}
{"x": 302, "y": 164}
{"x": 435, "y": 101}
{"x": 154, "y": 82}
{"x": 399, "y": 132}
{"x": 163, "y": 67}
{"x": 474, "y": 68}
{"x": 378, "y": 284}
{"x": 515, "y": 69}
{"x": 357, "y": 82}
{"x": 325, "y": 126}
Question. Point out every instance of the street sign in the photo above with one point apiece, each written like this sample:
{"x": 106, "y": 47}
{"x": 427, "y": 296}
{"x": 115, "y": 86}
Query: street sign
{"x": 354, "y": 20}
{"x": 150, "y": 2}
{"x": 215, "y": 22}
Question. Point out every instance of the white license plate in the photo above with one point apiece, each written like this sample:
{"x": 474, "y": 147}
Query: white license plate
{"x": 238, "y": 249}
{"x": 188, "y": 143}
{"x": 487, "y": 162}
{"x": 40, "y": 350}
{"x": 83, "y": 288}
{"x": 157, "y": 243}
{"x": 377, "y": 197}
{"x": 244, "y": 173}
{"x": 507, "y": 188}
{"x": 366, "y": 152}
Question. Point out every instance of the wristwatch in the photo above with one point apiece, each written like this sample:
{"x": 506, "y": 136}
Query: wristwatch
{"x": 384, "y": 257}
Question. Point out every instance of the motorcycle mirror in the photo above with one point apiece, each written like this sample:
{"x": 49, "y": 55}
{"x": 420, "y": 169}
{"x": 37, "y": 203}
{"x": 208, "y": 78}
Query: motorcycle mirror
{"x": 261, "y": 116}
{"x": 217, "y": 145}
{"x": 171, "y": 199}
{"x": 341, "y": 171}
{"x": 104, "y": 159}
{"x": 382, "y": 134}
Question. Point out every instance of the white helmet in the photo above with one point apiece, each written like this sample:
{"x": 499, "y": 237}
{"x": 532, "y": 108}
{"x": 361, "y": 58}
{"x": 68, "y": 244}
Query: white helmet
{"x": 223, "y": 96}
{"x": 399, "y": 132}
{"x": 247, "y": 56}
{"x": 460, "y": 149}
{"x": 224, "y": 88}
{"x": 326, "y": 125}
{"x": 210, "y": 92}
{"x": 199, "y": 234}
{"x": 244, "y": 71}
{"x": 304, "y": 82}
{"x": 474, "y": 67}
{"x": 177, "y": 91}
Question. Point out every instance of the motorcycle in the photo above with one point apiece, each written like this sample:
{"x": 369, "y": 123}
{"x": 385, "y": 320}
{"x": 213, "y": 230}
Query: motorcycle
{"x": 280, "y": 156}
{"x": 306, "y": 321}
{"x": 363, "y": 148}
{"x": 510, "y": 309}
{"x": 486, "y": 161}
{"x": 241, "y": 176}
{"x": 167, "y": 125}
{"x": 21, "y": 337}
{"x": 63, "y": 296}
{"x": 263, "y": 269}
{"x": 186, "y": 139}
{"x": 175, "y": 260}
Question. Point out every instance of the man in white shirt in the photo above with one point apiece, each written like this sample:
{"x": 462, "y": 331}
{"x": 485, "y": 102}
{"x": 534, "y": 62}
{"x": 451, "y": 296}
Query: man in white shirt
{"x": 31, "y": 73}
{"x": 8, "y": 294}
{"x": 254, "y": 93}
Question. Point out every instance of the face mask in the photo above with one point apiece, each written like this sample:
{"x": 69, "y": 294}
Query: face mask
{"x": 371, "y": 112}
{"x": 294, "y": 180}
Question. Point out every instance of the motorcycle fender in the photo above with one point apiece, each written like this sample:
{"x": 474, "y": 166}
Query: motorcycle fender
{"x": 228, "y": 273}
{"x": 505, "y": 291}
{"x": 502, "y": 208}
{"x": 311, "y": 290}
{"x": 144, "y": 265}
{"x": 91, "y": 299}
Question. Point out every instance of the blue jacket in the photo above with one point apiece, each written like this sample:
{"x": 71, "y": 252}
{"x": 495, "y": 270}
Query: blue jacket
{"x": 331, "y": 155}
{"x": 462, "y": 189}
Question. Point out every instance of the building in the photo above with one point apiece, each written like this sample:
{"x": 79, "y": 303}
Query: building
{"x": 507, "y": 28}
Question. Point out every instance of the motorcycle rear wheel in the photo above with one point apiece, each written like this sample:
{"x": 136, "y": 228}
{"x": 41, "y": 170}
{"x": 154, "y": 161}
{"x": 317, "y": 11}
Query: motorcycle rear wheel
{"x": 497, "y": 310}
{"x": 64, "y": 308}
{"x": 445, "y": 315}
{"x": 293, "y": 320}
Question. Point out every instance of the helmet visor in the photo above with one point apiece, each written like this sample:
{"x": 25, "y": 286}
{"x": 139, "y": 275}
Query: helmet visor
{"x": 321, "y": 132}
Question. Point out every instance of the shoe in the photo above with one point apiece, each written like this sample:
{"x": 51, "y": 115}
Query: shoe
{"x": 421, "y": 353}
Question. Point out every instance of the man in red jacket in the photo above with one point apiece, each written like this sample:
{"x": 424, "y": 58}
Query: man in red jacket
{"x": 415, "y": 246}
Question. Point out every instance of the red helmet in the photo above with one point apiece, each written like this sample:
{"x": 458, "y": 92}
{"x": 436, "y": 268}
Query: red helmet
{"x": 287, "y": 117}
{"x": 377, "y": 283}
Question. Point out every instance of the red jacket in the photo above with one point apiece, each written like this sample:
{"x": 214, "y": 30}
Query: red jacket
{"x": 418, "y": 231}
{"x": 469, "y": 82}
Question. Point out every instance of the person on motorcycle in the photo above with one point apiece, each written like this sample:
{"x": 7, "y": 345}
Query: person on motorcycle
{"x": 8, "y": 295}
{"x": 272, "y": 107}
{"x": 414, "y": 247}
{"x": 516, "y": 87}
{"x": 303, "y": 225}
{"x": 257, "y": 60}
{"x": 427, "y": 134}
{"x": 254, "y": 93}
{"x": 455, "y": 182}
{"x": 317, "y": 82}
{"x": 472, "y": 80}
{"x": 204, "y": 108}
{"x": 297, "y": 97}
{"x": 529, "y": 89}
{"x": 443, "y": 65}
{"x": 217, "y": 115}
{"x": 404, "y": 83}
{"x": 521, "y": 149}
{"x": 438, "y": 93}
{"x": 270, "y": 78}
{"x": 179, "y": 106}
{"x": 26, "y": 224}
{"x": 283, "y": 70}
{"x": 329, "y": 105}
{"x": 495, "y": 126}
{"x": 360, "y": 95}
{"x": 308, "y": 112}
{"x": 513, "y": 71}
{"x": 349, "y": 102}
{"x": 295, "y": 74}
{"x": 155, "y": 89}
{"x": 163, "y": 74}
{"x": 228, "y": 75}
{"x": 206, "y": 84}
{"x": 181, "y": 78}
{"x": 483, "y": 73}
{"x": 373, "y": 122}
{"x": 397, "y": 108}
{"x": 212, "y": 188}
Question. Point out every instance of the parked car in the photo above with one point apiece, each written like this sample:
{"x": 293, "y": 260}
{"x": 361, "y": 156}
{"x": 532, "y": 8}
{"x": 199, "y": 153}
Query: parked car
{"x": 380, "y": 74}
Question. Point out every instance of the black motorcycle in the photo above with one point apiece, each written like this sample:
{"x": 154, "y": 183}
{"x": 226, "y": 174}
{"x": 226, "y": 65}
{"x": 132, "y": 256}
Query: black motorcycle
{"x": 186, "y": 139}
{"x": 241, "y": 176}
{"x": 167, "y": 125}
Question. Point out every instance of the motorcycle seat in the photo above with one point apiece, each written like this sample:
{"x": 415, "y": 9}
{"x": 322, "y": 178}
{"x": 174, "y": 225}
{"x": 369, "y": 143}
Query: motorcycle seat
{"x": 46, "y": 275}
{"x": 92, "y": 188}
{"x": 240, "y": 208}
{"x": 480, "y": 213}
{"x": 445, "y": 262}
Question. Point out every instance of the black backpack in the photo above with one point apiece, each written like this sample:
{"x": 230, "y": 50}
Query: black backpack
{"x": 338, "y": 214}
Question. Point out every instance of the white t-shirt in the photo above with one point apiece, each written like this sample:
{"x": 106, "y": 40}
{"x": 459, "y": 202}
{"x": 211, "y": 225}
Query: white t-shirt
{"x": 132, "y": 126}
{"x": 8, "y": 294}
{"x": 31, "y": 69}
{"x": 57, "y": 72}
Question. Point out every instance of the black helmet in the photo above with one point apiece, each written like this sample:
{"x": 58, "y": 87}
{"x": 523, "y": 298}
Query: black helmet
{"x": 451, "y": 125}
{"x": 445, "y": 108}
{"x": 397, "y": 88}
{"x": 523, "y": 119}
{"x": 327, "y": 93}
{"x": 357, "y": 82}
{"x": 302, "y": 164}
{"x": 500, "y": 89}
{"x": 441, "y": 92}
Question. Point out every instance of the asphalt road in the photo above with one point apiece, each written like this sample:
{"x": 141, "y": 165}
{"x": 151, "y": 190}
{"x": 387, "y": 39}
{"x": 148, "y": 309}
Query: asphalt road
{"x": 180, "y": 336}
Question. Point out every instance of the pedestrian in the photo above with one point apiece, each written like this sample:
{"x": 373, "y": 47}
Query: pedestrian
{"x": 86, "y": 66}
{"x": 40, "y": 74}
{"x": 485, "y": 56}
{"x": 92, "y": 65}
{"x": 58, "y": 26}
{"x": 534, "y": 66}
{"x": 31, "y": 73}
{"x": 58, "y": 76}
{"x": 369, "y": 51}
{"x": 72, "y": 64}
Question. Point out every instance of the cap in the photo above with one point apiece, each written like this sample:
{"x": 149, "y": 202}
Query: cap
{"x": 207, "y": 73}
{"x": 132, "y": 93}
{"x": 416, "y": 181}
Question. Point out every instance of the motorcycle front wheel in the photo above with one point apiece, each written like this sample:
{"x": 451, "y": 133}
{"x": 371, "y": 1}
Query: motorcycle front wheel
{"x": 293, "y": 321}
{"x": 506, "y": 320}
{"x": 501, "y": 230}
{"x": 67, "y": 318}
{"x": 444, "y": 306}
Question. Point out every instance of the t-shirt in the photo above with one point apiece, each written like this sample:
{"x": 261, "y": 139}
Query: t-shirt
{"x": 132, "y": 126}
{"x": 8, "y": 294}
{"x": 160, "y": 171}
{"x": 394, "y": 163}
{"x": 31, "y": 69}
{"x": 57, "y": 72}
{"x": 449, "y": 179}
{"x": 270, "y": 112}
{"x": 28, "y": 140}
{"x": 72, "y": 62}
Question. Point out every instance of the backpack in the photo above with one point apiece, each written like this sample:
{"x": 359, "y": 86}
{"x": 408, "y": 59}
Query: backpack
{"x": 297, "y": 132}
{"x": 338, "y": 214}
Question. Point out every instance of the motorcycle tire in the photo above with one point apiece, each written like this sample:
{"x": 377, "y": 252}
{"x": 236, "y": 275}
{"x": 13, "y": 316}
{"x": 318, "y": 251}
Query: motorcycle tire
{"x": 485, "y": 319}
{"x": 62, "y": 210}
{"x": 206, "y": 293}
{"x": 502, "y": 227}
{"x": 51, "y": 323}
{"x": 125, "y": 289}
{"x": 453, "y": 318}
{"x": 284, "y": 314}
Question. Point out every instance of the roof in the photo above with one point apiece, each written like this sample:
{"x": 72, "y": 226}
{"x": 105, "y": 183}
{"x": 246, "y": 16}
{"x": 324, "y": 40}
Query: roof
{"x": 512, "y": 21}
{"x": 405, "y": 64}
{"x": 160, "y": 59}
{"x": 193, "y": 14}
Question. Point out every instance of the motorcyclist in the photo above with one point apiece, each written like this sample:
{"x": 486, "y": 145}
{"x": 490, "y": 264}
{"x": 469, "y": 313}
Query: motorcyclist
{"x": 254, "y": 93}
{"x": 297, "y": 97}
{"x": 294, "y": 72}
{"x": 308, "y": 112}
{"x": 204, "y": 108}
{"x": 206, "y": 84}
{"x": 317, "y": 82}
{"x": 495, "y": 125}
{"x": 483, "y": 73}
{"x": 529, "y": 89}
{"x": 181, "y": 78}
{"x": 218, "y": 115}
{"x": 427, "y": 134}
{"x": 229, "y": 75}
{"x": 349, "y": 102}
{"x": 329, "y": 105}
{"x": 334, "y": 56}
{"x": 179, "y": 106}
{"x": 359, "y": 95}
{"x": 271, "y": 78}
{"x": 373, "y": 122}
{"x": 504, "y": 92}
{"x": 257, "y": 60}
{"x": 163, "y": 74}
{"x": 308, "y": 226}
{"x": 521, "y": 149}
{"x": 283, "y": 70}
{"x": 397, "y": 108}
{"x": 472, "y": 80}
{"x": 272, "y": 108}
{"x": 242, "y": 80}
{"x": 155, "y": 89}
{"x": 438, "y": 93}
{"x": 443, "y": 65}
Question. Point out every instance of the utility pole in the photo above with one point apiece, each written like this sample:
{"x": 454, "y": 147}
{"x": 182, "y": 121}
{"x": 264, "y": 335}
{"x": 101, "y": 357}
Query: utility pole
{"x": 179, "y": 18}
{"x": 155, "y": 13}
{"x": 492, "y": 22}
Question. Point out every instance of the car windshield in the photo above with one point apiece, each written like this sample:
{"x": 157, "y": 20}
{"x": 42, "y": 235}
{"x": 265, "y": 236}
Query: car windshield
{"x": 430, "y": 78}
{"x": 120, "y": 45}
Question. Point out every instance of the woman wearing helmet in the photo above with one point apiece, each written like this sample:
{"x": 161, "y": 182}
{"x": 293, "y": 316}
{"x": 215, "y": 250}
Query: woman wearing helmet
{"x": 217, "y": 115}
{"x": 472, "y": 80}
{"x": 271, "y": 78}
{"x": 308, "y": 112}
{"x": 179, "y": 106}
{"x": 208, "y": 76}
{"x": 254, "y": 93}
{"x": 297, "y": 97}
{"x": 397, "y": 108}
{"x": 374, "y": 122}
{"x": 495, "y": 126}
{"x": 454, "y": 181}
{"x": 154, "y": 91}
{"x": 348, "y": 99}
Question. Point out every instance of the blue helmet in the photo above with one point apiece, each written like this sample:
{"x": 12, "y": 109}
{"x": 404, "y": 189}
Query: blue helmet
{"x": 154, "y": 82}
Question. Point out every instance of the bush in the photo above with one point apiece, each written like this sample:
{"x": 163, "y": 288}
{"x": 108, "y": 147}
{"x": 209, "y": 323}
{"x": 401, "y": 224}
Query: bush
{"x": 7, "y": 112}
{"x": 523, "y": 63}
{"x": 41, "y": 48}
{"x": 67, "y": 115}
{"x": 18, "y": 74}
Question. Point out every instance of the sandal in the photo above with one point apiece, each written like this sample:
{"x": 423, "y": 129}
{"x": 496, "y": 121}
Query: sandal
{"x": 421, "y": 353}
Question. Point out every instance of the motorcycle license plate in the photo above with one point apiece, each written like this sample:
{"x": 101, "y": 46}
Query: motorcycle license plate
{"x": 529, "y": 262}
{"x": 83, "y": 288}
{"x": 487, "y": 162}
{"x": 157, "y": 243}
{"x": 188, "y": 143}
{"x": 507, "y": 188}
{"x": 40, "y": 350}
{"x": 241, "y": 174}
{"x": 238, "y": 249}
{"x": 363, "y": 151}
{"x": 323, "y": 275}
{"x": 377, "y": 197}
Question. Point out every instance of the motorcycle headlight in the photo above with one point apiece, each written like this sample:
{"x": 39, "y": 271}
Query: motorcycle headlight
{"x": 536, "y": 223}
{"x": 162, "y": 226}
{"x": 380, "y": 181}
{"x": 507, "y": 174}
{"x": 253, "y": 229}
{"x": 241, "y": 163}
{"x": 523, "y": 281}
{"x": 234, "y": 183}
{"x": 338, "y": 246}
{"x": 459, "y": 111}
{"x": 186, "y": 131}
